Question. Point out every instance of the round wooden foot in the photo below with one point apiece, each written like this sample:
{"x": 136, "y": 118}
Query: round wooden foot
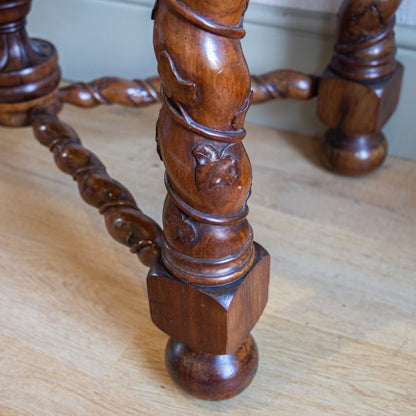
{"x": 353, "y": 155}
{"x": 210, "y": 376}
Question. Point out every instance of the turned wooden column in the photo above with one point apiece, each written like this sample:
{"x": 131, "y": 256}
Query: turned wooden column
{"x": 360, "y": 89}
{"x": 29, "y": 72}
{"x": 210, "y": 287}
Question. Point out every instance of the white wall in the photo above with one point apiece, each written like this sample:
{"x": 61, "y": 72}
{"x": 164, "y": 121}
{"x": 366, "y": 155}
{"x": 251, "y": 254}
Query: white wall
{"x": 114, "y": 37}
{"x": 405, "y": 15}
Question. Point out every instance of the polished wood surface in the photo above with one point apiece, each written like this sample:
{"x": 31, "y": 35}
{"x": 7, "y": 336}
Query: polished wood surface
{"x": 229, "y": 374}
{"x": 360, "y": 89}
{"x": 112, "y": 90}
{"x": 283, "y": 84}
{"x": 278, "y": 84}
{"x": 212, "y": 319}
{"x": 208, "y": 282}
{"x": 125, "y": 222}
{"x": 29, "y": 71}
{"x": 211, "y": 284}
{"x": 207, "y": 240}
{"x": 337, "y": 338}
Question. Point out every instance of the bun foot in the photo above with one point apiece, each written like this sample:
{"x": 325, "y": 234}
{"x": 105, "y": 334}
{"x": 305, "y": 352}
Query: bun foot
{"x": 353, "y": 155}
{"x": 210, "y": 376}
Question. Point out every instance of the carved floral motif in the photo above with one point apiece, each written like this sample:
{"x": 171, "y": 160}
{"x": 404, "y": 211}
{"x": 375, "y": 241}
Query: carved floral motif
{"x": 181, "y": 227}
{"x": 214, "y": 167}
{"x": 175, "y": 87}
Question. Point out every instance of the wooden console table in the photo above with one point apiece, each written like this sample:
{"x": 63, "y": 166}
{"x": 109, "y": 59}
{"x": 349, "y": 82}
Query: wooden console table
{"x": 208, "y": 280}
{"x": 338, "y": 336}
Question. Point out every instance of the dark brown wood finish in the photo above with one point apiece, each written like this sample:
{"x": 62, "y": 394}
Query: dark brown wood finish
{"x": 211, "y": 286}
{"x": 208, "y": 175}
{"x": 279, "y": 84}
{"x": 208, "y": 281}
{"x": 125, "y": 222}
{"x": 29, "y": 79}
{"x": 208, "y": 254}
{"x": 229, "y": 374}
{"x": 211, "y": 318}
{"x": 112, "y": 90}
{"x": 360, "y": 89}
{"x": 283, "y": 84}
{"x": 210, "y": 354}
{"x": 29, "y": 72}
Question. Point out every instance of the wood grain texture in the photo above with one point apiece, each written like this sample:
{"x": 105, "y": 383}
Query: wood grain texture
{"x": 124, "y": 220}
{"x": 211, "y": 285}
{"x": 216, "y": 319}
{"x": 29, "y": 71}
{"x": 229, "y": 374}
{"x": 360, "y": 89}
{"x": 338, "y": 336}
{"x": 206, "y": 96}
{"x": 112, "y": 90}
{"x": 279, "y": 84}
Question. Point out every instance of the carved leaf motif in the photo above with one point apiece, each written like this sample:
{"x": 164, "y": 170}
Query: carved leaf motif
{"x": 214, "y": 168}
{"x": 239, "y": 118}
{"x": 180, "y": 227}
{"x": 174, "y": 85}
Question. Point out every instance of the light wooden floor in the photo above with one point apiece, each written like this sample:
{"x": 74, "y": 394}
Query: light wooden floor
{"x": 338, "y": 336}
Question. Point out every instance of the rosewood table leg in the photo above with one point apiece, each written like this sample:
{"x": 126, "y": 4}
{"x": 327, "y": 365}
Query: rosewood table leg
{"x": 211, "y": 284}
{"x": 360, "y": 89}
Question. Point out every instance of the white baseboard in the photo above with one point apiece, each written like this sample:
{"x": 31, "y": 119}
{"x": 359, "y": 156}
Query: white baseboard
{"x": 114, "y": 37}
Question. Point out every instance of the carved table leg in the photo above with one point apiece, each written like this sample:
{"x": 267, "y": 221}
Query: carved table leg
{"x": 29, "y": 72}
{"x": 360, "y": 89}
{"x": 211, "y": 285}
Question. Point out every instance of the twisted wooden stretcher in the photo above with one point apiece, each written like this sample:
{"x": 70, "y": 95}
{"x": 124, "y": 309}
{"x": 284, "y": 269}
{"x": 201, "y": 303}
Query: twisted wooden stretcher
{"x": 208, "y": 279}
